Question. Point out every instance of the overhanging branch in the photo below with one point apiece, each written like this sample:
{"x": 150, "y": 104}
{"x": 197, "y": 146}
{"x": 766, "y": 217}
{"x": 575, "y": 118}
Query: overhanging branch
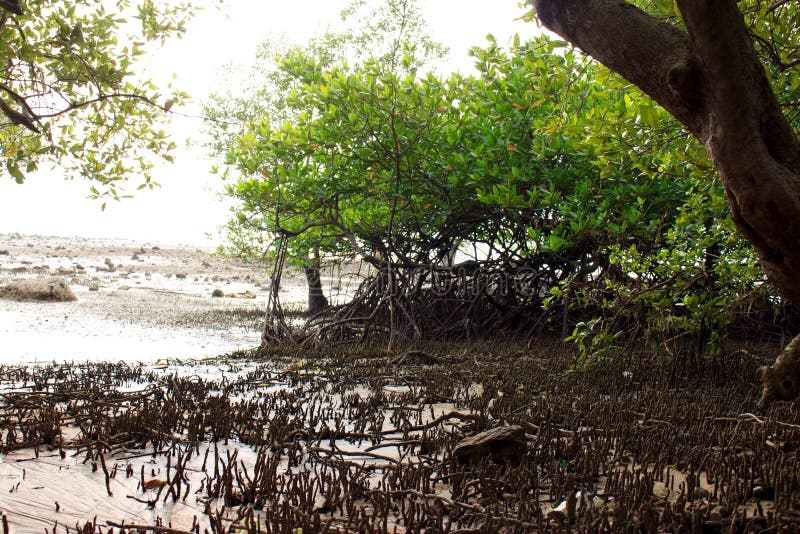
{"x": 651, "y": 53}
{"x": 12, "y": 6}
{"x": 26, "y": 118}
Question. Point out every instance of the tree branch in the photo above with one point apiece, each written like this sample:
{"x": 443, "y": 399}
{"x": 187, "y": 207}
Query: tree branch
{"x": 713, "y": 82}
{"x": 13, "y": 6}
{"x": 651, "y": 53}
{"x": 25, "y": 118}
{"x": 129, "y": 96}
{"x": 743, "y": 107}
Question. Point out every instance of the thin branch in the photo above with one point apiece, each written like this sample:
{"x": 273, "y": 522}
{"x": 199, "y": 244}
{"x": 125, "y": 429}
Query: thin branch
{"x": 102, "y": 98}
{"x": 777, "y": 4}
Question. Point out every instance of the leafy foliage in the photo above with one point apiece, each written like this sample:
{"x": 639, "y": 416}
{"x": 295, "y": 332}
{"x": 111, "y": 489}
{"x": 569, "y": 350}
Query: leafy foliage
{"x": 69, "y": 93}
{"x": 391, "y": 36}
{"x": 628, "y": 218}
{"x": 590, "y": 212}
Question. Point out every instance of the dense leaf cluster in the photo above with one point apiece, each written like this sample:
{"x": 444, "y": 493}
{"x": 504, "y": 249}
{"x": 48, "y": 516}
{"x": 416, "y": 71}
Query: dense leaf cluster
{"x": 577, "y": 202}
{"x": 70, "y": 94}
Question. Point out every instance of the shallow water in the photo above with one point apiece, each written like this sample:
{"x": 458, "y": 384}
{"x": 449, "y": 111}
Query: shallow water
{"x": 67, "y": 491}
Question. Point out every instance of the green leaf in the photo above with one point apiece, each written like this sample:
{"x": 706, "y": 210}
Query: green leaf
{"x": 14, "y": 171}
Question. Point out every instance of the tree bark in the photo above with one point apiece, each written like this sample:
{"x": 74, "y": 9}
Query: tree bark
{"x": 13, "y": 6}
{"x": 316, "y": 296}
{"x": 710, "y": 78}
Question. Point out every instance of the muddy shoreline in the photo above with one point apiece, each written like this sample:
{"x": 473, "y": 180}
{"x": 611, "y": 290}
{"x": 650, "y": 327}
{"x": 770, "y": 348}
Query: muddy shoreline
{"x": 161, "y": 431}
{"x": 353, "y": 441}
{"x": 136, "y": 301}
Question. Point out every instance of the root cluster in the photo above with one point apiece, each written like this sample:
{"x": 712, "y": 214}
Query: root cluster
{"x": 360, "y": 444}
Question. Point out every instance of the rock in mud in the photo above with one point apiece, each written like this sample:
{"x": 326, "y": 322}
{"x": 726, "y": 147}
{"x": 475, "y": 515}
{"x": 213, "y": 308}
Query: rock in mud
{"x": 217, "y": 293}
{"x": 503, "y": 444}
{"x": 242, "y": 295}
{"x": 39, "y": 289}
{"x": 661, "y": 491}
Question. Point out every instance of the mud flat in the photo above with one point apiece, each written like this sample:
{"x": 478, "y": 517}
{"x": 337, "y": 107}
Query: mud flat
{"x": 354, "y": 440}
{"x": 135, "y": 301}
{"x": 285, "y": 442}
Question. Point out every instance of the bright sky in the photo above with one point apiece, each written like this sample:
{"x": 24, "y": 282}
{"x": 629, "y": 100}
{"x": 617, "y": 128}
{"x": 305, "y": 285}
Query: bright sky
{"x": 188, "y": 208}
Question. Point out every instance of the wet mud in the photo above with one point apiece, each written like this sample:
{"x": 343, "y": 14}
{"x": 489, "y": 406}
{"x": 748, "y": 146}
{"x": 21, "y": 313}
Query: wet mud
{"x": 138, "y": 425}
{"x": 135, "y": 301}
{"x": 362, "y": 441}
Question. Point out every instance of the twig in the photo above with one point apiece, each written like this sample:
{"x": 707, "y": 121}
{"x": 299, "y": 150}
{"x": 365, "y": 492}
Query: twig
{"x": 154, "y": 528}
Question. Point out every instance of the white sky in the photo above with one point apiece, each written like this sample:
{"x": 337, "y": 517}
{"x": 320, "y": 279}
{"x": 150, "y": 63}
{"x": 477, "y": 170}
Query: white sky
{"x": 187, "y": 208}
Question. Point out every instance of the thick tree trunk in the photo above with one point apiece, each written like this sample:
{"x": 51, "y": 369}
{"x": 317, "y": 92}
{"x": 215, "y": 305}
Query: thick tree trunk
{"x": 316, "y": 296}
{"x": 710, "y": 79}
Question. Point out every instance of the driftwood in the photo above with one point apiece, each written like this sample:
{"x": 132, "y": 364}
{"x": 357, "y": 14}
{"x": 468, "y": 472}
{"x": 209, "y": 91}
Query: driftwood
{"x": 502, "y": 444}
